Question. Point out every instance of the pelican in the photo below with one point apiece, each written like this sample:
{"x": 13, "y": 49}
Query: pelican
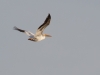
{"x": 39, "y": 35}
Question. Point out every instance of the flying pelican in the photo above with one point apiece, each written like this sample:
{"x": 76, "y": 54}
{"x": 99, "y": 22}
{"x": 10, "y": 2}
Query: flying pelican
{"x": 39, "y": 33}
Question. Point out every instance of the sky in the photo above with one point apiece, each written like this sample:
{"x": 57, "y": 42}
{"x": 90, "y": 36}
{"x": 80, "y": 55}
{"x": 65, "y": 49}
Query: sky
{"x": 73, "y": 49}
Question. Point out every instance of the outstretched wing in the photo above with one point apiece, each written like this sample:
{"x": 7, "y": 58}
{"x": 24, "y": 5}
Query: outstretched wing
{"x": 24, "y": 31}
{"x": 44, "y": 25}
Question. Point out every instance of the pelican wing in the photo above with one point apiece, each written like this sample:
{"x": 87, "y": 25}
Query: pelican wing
{"x": 44, "y": 25}
{"x": 30, "y": 34}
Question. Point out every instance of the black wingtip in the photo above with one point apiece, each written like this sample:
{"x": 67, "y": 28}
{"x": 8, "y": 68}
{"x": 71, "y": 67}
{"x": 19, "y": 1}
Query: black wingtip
{"x": 49, "y": 15}
{"x": 15, "y": 28}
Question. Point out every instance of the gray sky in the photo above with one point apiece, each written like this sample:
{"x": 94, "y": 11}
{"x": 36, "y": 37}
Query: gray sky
{"x": 74, "y": 48}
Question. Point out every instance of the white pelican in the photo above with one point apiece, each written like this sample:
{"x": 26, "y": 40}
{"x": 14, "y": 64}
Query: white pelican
{"x": 39, "y": 33}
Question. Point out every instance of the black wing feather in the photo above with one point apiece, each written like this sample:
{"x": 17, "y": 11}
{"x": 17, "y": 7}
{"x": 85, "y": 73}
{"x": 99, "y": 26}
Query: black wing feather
{"x": 46, "y": 22}
{"x": 19, "y": 29}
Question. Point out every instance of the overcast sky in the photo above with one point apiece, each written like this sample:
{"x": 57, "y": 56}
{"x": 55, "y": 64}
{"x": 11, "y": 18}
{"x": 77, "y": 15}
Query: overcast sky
{"x": 73, "y": 49}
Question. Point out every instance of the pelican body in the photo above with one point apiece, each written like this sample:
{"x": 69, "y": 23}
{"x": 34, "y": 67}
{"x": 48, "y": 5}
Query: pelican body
{"x": 39, "y": 35}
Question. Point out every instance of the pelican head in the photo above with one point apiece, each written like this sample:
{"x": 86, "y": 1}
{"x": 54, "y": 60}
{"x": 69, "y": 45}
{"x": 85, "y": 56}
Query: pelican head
{"x": 47, "y": 35}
